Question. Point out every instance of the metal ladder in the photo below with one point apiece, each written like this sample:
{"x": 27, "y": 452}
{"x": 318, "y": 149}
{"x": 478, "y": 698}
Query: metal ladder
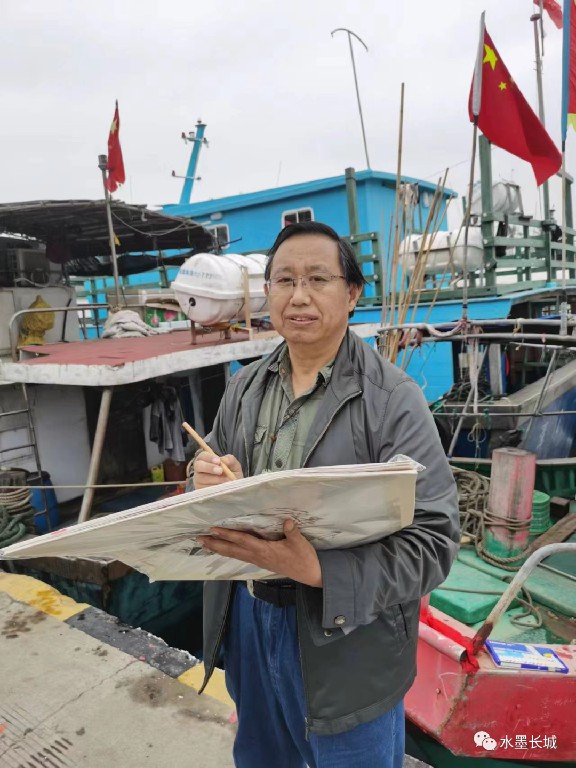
{"x": 37, "y": 475}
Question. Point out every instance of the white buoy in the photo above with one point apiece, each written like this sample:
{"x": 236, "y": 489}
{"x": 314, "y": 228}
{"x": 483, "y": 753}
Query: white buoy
{"x": 446, "y": 252}
{"x": 210, "y": 288}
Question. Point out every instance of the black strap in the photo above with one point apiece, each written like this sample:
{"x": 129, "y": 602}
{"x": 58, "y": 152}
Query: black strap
{"x": 280, "y": 593}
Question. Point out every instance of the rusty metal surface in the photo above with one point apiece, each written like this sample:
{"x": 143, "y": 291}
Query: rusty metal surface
{"x": 94, "y": 570}
{"x": 452, "y": 705}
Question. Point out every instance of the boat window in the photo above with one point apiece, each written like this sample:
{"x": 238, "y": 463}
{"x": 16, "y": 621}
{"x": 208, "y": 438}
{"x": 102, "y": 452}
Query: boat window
{"x": 221, "y": 234}
{"x": 297, "y": 216}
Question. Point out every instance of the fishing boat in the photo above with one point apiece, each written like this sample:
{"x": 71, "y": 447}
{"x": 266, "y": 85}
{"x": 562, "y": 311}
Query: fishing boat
{"x": 59, "y": 389}
{"x": 492, "y": 340}
{"x": 78, "y": 412}
{"x": 507, "y": 440}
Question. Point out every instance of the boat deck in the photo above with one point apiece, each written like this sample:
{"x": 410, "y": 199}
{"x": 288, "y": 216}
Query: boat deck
{"x": 110, "y": 362}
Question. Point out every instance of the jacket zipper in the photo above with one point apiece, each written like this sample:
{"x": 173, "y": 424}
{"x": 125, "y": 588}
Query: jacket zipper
{"x": 320, "y": 436}
{"x": 247, "y": 454}
{"x": 208, "y": 673}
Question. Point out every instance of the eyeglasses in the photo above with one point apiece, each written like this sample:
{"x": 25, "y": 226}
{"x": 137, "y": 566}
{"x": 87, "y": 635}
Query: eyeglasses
{"x": 315, "y": 283}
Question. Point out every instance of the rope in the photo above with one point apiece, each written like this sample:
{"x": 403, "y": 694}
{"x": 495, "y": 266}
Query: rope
{"x": 103, "y": 486}
{"x": 184, "y": 224}
{"x": 13, "y": 527}
{"x": 473, "y": 490}
{"x": 473, "y": 493}
{"x": 475, "y": 517}
{"x": 531, "y": 609}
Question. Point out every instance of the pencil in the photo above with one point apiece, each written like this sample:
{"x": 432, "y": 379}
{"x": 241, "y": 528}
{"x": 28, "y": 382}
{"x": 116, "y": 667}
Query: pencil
{"x": 225, "y": 468}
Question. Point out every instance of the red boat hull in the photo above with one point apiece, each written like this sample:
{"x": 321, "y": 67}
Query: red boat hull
{"x": 529, "y": 714}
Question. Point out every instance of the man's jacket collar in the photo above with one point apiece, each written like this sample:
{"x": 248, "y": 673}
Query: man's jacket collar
{"x": 344, "y": 385}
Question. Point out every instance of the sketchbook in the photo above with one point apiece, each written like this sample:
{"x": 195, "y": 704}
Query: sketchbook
{"x": 334, "y": 507}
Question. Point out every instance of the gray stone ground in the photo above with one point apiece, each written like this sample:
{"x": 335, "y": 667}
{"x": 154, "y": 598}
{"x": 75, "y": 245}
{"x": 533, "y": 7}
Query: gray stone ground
{"x": 68, "y": 700}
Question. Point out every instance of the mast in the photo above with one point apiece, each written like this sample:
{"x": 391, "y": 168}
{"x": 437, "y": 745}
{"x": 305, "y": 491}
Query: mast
{"x": 197, "y": 139}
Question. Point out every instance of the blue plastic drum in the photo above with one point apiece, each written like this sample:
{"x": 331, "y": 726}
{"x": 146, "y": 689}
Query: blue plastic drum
{"x": 37, "y": 500}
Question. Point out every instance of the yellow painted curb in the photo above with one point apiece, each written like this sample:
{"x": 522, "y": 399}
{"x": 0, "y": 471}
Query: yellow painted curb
{"x": 38, "y": 595}
{"x": 216, "y": 688}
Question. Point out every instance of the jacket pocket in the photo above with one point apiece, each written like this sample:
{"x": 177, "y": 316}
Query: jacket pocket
{"x": 400, "y": 625}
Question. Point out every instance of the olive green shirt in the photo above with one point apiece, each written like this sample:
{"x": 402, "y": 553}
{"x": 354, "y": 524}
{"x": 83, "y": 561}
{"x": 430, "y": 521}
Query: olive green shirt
{"x": 284, "y": 420}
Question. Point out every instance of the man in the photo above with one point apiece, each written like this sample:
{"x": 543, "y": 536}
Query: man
{"x": 318, "y": 662}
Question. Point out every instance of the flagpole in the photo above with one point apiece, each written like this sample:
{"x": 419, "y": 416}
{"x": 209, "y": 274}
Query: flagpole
{"x": 567, "y": 53}
{"x": 564, "y": 303}
{"x": 103, "y": 164}
{"x": 535, "y": 18}
{"x": 476, "y": 100}
{"x": 467, "y": 221}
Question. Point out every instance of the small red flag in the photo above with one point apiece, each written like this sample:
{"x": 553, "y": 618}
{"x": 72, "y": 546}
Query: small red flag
{"x": 115, "y": 164}
{"x": 553, "y": 9}
{"x": 506, "y": 118}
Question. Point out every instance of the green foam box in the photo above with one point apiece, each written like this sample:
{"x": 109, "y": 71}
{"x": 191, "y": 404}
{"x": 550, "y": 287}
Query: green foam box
{"x": 469, "y": 606}
{"x": 553, "y": 590}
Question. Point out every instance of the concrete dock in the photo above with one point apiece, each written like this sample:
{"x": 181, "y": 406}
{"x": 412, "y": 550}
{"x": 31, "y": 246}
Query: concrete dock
{"x": 79, "y": 688}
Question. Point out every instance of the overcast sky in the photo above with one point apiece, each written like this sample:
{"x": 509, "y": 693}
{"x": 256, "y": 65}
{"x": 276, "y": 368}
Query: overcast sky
{"x": 275, "y": 89}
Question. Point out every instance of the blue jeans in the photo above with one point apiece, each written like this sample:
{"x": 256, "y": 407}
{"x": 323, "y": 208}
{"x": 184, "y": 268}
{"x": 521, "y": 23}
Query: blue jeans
{"x": 264, "y": 678}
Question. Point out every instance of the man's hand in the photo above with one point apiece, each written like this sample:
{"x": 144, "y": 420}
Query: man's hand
{"x": 207, "y": 469}
{"x": 292, "y": 557}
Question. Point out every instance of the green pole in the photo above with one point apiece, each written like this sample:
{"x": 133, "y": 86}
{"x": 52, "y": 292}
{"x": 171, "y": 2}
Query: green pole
{"x": 352, "y": 201}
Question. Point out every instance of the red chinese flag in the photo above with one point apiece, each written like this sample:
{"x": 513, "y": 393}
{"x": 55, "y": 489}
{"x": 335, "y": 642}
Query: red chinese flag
{"x": 553, "y": 9}
{"x": 115, "y": 165}
{"x": 506, "y": 118}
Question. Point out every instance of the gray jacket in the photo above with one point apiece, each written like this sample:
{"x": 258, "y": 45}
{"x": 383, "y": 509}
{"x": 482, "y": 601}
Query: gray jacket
{"x": 371, "y": 411}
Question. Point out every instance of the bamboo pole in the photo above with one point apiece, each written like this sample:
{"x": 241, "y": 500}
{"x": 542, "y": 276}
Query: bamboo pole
{"x": 450, "y": 262}
{"x": 394, "y": 276}
{"x": 419, "y": 269}
{"x": 419, "y": 274}
{"x": 406, "y": 235}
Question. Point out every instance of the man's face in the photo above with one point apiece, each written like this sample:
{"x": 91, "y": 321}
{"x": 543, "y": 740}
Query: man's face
{"x": 303, "y": 315}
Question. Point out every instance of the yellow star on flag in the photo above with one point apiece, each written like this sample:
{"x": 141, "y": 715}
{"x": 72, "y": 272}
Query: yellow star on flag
{"x": 490, "y": 57}
{"x": 114, "y": 126}
{"x": 502, "y": 86}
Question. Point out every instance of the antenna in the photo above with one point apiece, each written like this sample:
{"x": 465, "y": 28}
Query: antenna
{"x": 350, "y": 34}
